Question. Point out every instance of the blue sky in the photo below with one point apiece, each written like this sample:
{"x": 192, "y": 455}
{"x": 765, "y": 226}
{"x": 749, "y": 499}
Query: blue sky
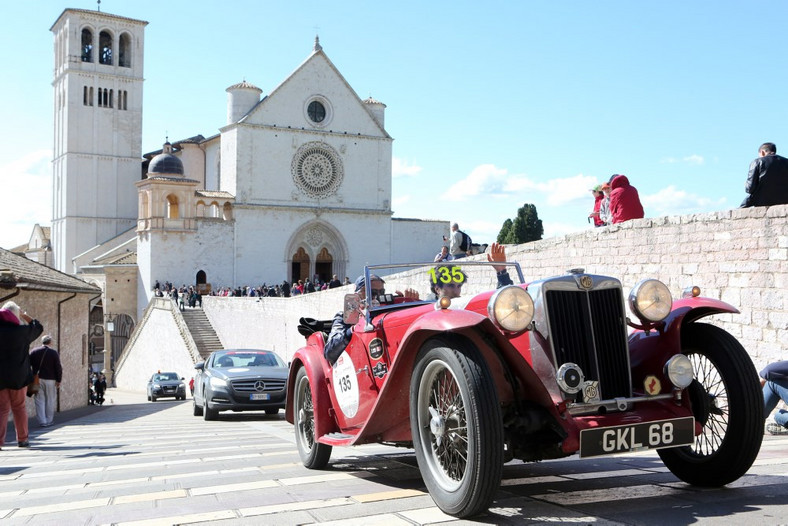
{"x": 491, "y": 104}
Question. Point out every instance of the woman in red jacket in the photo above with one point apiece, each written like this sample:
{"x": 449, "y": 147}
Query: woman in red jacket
{"x": 598, "y": 198}
{"x": 624, "y": 200}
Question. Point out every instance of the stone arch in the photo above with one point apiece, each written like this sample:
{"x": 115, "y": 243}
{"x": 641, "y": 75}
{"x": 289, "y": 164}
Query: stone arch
{"x": 124, "y": 50}
{"x": 172, "y": 207}
{"x": 105, "y": 48}
{"x": 227, "y": 212}
{"x": 144, "y": 206}
{"x": 87, "y": 44}
{"x": 200, "y": 208}
{"x": 300, "y": 264}
{"x": 314, "y": 237}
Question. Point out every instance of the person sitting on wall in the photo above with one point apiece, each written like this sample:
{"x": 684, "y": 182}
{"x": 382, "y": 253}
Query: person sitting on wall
{"x": 774, "y": 380}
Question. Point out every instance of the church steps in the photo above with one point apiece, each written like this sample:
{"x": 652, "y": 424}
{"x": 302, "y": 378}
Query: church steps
{"x": 202, "y": 332}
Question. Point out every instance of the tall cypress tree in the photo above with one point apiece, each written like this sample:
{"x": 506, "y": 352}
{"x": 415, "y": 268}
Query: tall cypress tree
{"x": 526, "y": 227}
{"x": 505, "y": 229}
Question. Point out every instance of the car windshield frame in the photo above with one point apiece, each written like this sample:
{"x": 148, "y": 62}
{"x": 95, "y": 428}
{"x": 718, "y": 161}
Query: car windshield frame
{"x": 368, "y": 272}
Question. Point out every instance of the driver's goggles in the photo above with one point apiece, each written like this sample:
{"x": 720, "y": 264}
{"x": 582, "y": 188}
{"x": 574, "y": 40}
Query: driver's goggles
{"x": 378, "y": 292}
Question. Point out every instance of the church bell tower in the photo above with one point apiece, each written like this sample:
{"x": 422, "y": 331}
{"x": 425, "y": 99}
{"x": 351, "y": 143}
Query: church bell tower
{"x": 98, "y": 78}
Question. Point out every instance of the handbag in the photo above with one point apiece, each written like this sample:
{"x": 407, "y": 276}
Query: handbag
{"x": 34, "y": 387}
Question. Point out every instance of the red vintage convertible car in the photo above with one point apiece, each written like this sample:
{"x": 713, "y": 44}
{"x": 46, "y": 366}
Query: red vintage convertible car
{"x": 532, "y": 371}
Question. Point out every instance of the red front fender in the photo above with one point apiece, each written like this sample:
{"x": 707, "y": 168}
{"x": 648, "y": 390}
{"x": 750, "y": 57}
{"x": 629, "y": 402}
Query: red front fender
{"x": 649, "y": 351}
{"x": 311, "y": 358}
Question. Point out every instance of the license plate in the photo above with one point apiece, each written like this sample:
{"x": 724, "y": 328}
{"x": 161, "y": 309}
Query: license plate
{"x": 259, "y": 396}
{"x": 647, "y": 435}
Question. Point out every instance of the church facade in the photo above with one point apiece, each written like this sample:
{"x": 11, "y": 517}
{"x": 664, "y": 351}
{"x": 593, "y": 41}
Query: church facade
{"x": 296, "y": 183}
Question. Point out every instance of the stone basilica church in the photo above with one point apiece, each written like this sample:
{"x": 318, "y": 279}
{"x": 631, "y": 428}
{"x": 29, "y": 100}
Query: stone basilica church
{"x": 296, "y": 182}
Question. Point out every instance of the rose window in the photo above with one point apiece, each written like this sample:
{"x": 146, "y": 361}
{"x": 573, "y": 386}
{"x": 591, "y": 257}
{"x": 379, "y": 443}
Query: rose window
{"x": 317, "y": 170}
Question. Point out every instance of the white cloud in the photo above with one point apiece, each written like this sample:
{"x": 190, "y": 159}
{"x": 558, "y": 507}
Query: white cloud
{"x": 693, "y": 159}
{"x": 555, "y": 229}
{"x": 672, "y": 201}
{"x": 401, "y": 200}
{"x": 28, "y": 190}
{"x": 400, "y": 167}
{"x": 484, "y": 180}
{"x": 570, "y": 190}
{"x": 487, "y": 180}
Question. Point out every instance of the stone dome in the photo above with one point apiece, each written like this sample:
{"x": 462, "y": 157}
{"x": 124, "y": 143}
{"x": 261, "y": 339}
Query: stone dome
{"x": 165, "y": 163}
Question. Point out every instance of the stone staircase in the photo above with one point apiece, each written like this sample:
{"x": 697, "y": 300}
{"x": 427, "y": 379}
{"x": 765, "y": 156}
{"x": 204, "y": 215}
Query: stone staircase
{"x": 202, "y": 331}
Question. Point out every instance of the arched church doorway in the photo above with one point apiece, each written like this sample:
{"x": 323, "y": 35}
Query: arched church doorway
{"x": 201, "y": 283}
{"x": 300, "y": 265}
{"x": 324, "y": 265}
{"x": 122, "y": 326}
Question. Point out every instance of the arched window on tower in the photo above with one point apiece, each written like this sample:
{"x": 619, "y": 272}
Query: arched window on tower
{"x": 172, "y": 207}
{"x": 110, "y": 98}
{"x": 105, "y": 48}
{"x": 144, "y": 212}
{"x": 85, "y": 100}
{"x": 87, "y": 45}
{"x": 124, "y": 51}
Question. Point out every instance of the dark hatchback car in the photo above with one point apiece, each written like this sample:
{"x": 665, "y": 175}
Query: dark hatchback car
{"x": 163, "y": 385}
{"x": 240, "y": 380}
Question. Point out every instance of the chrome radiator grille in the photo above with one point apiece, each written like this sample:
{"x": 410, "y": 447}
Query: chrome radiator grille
{"x": 589, "y": 329}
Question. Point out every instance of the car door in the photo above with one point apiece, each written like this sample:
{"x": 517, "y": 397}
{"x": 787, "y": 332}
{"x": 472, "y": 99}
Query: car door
{"x": 353, "y": 387}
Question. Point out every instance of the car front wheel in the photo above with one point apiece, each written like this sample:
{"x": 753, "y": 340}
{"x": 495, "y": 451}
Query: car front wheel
{"x": 313, "y": 454}
{"x": 207, "y": 412}
{"x": 457, "y": 427}
{"x": 727, "y": 401}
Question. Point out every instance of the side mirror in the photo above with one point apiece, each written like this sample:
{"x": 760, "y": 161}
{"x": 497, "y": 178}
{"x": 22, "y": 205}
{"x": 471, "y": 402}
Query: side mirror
{"x": 352, "y": 309}
{"x": 199, "y": 366}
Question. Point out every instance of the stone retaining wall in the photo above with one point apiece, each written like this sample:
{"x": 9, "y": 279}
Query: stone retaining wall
{"x": 739, "y": 256}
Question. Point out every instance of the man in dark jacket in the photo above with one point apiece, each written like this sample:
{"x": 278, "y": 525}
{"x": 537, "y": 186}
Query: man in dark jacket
{"x": 624, "y": 200}
{"x": 767, "y": 180}
{"x": 17, "y": 331}
{"x": 46, "y": 361}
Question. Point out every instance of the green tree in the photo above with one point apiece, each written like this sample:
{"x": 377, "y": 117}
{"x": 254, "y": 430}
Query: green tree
{"x": 507, "y": 226}
{"x": 526, "y": 227}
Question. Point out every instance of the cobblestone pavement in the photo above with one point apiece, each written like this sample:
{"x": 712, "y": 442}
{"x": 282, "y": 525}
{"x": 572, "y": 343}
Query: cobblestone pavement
{"x": 133, "y": 462}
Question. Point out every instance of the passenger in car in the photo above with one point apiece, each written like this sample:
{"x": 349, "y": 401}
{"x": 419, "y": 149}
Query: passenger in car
{"x": 224, "y": 361}
{"x": 340, "y": 333}
{"x": 452, "y": 288}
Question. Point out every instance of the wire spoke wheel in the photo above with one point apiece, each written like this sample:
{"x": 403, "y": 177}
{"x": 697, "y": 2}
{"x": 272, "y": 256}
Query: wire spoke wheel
{"x": 447, "y": 428}
{"x": 727, "y": 404}
{"x": 314, "y": 455}
{"x": 456, "y": 426}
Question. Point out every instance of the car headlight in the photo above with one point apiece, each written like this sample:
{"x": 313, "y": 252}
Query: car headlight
{"x": 650, "y": 300}
{"x": 156, "y": 386}
{"x": 218, "y": 382}
{"x": 511, "y": 308}
{"x": 680, "y": 371}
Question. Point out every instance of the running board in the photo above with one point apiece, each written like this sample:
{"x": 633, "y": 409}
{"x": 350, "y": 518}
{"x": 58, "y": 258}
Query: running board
{"x": 337, "y": 439}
